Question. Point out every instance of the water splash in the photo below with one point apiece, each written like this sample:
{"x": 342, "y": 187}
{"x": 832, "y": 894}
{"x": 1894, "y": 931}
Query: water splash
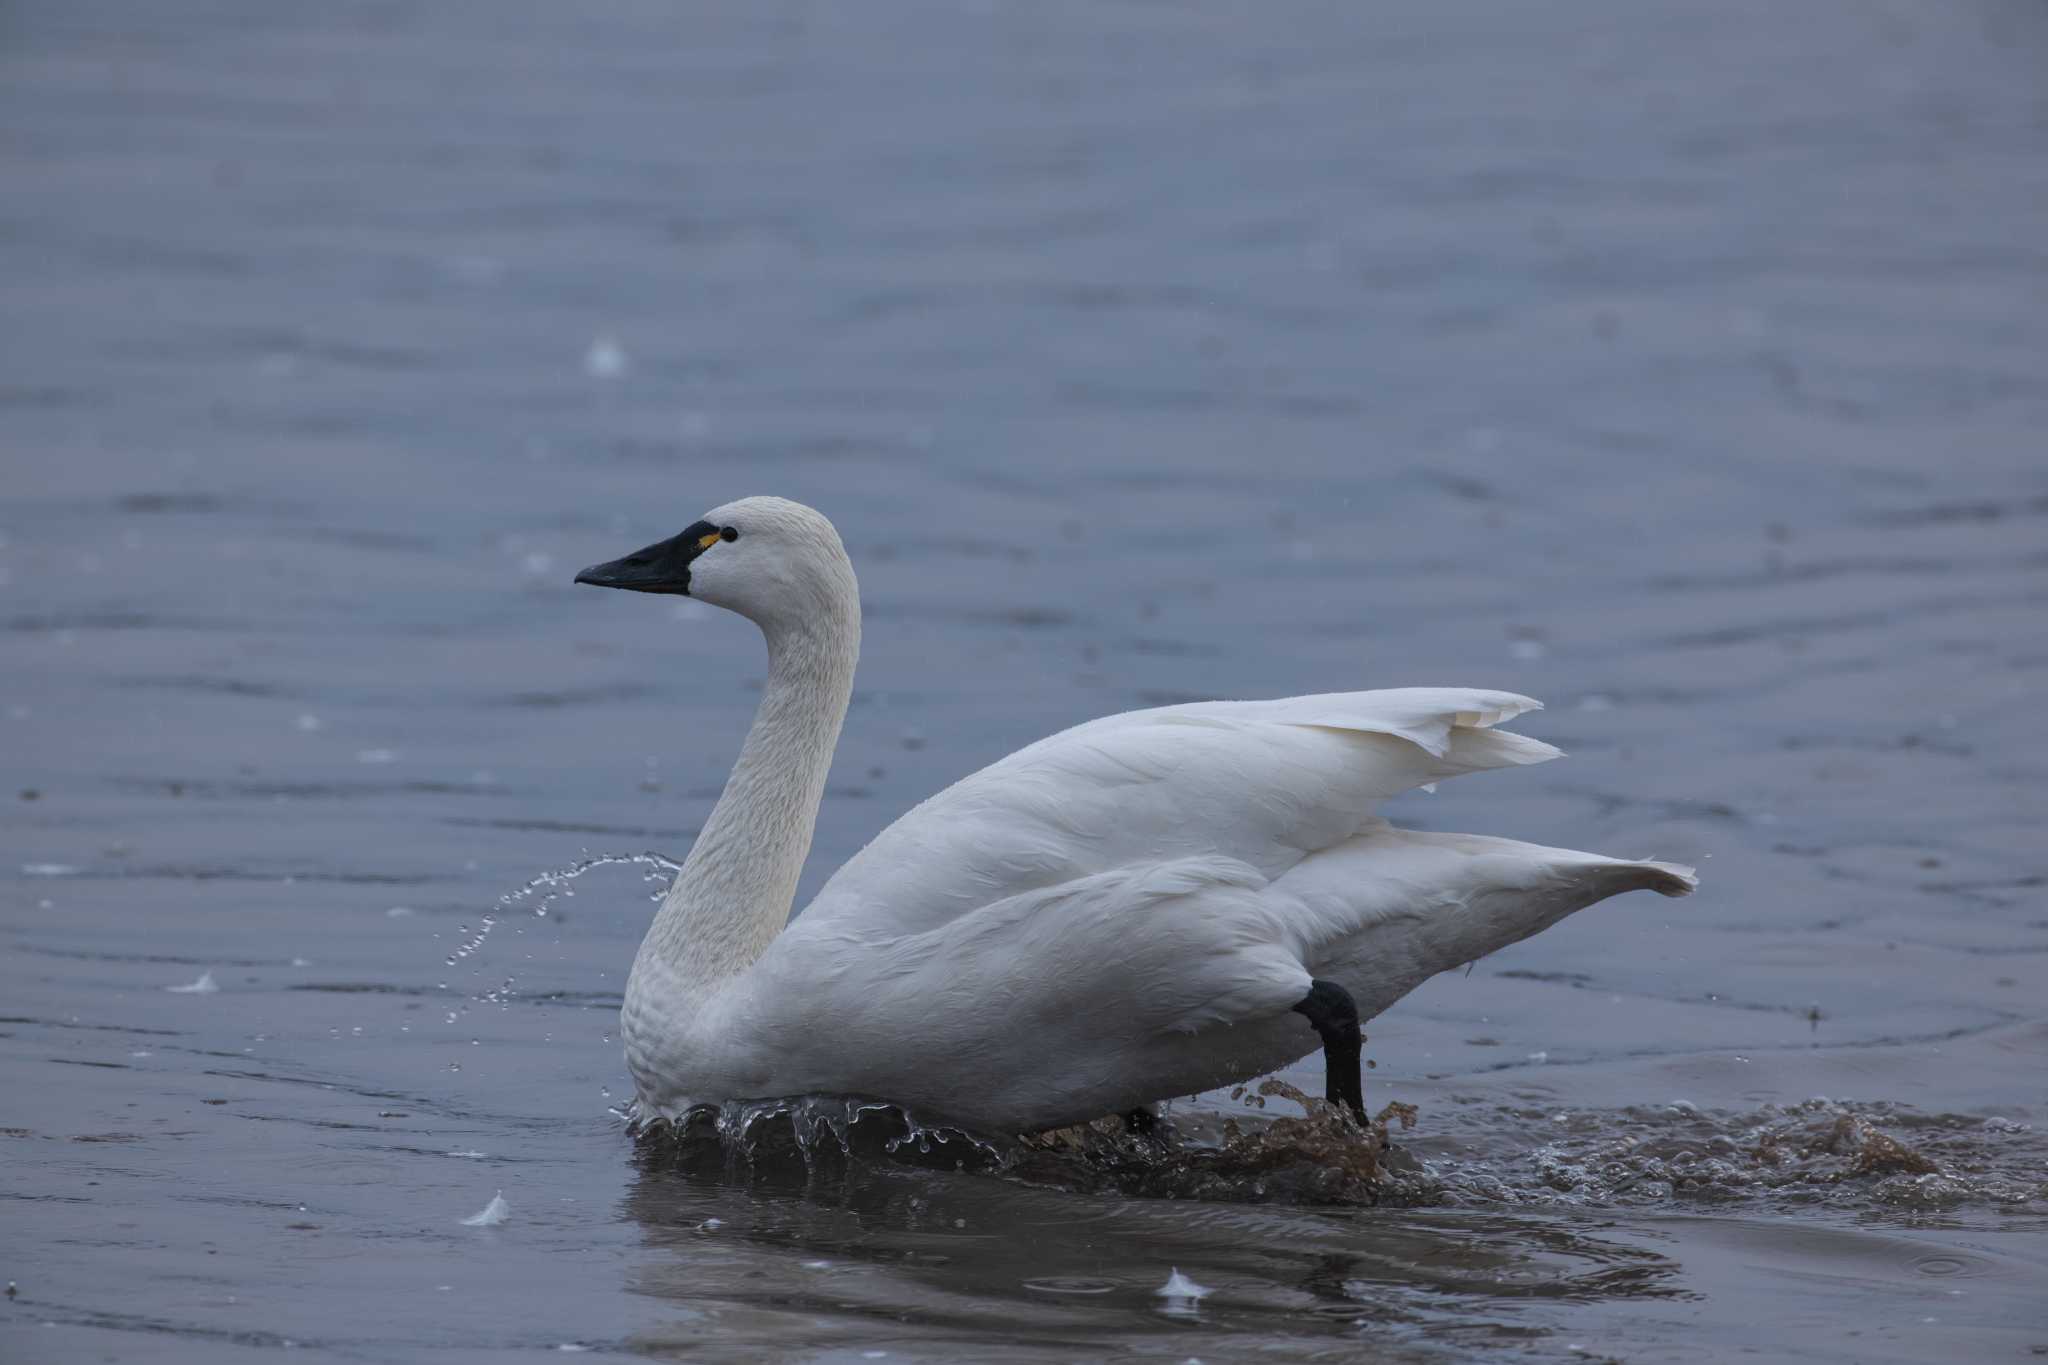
{"x": 1865, "y": 1157}
{"x": 538, "y": 894}
{"x": 1181, "y": 1292}
{"x": 1323, "y": 1157}
{"x": 544, "y": 890}
{"x": 536, "y": 897}
{"x": 811, "y": 1135}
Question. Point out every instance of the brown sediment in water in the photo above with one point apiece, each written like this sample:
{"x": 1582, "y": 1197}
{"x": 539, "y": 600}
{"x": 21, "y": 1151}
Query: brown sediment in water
{"x": 1324, "y": 1156}
{"x": 1862, "y": 1150}
{"x": 1875, "y": 1153}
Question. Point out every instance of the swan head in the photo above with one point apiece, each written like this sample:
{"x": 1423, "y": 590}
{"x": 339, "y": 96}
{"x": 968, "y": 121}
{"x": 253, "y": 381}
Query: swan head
{"x": 776, "y": 562}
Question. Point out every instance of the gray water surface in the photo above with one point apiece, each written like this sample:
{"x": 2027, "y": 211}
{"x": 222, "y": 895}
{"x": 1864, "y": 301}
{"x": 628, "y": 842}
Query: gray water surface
{"x": 1683, "y": 365}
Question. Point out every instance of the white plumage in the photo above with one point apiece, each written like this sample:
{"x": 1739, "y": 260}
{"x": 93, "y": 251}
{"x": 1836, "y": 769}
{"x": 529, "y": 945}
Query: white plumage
{"x": 1123, "y": 912}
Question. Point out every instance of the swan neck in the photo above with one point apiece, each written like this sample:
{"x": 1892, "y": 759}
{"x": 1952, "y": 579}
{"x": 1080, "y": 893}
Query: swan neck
{"x": 736, "y": 889}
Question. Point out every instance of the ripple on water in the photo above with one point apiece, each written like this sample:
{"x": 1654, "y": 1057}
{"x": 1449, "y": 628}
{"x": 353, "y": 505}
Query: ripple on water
{"x": 1069, "y": 1284}
{"x": 1950, "y": 1265}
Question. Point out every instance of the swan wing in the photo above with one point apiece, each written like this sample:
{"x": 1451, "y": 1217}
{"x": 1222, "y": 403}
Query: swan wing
{"x": 1049, "y": 1001}
{"x": 1123, "y": 987}
{"x": 1266, "y": 783}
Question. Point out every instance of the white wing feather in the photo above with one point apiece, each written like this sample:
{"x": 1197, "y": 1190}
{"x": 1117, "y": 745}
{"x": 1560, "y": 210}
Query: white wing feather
{"x": 1264, "y": 782}
{"x": 1047, "y": 992}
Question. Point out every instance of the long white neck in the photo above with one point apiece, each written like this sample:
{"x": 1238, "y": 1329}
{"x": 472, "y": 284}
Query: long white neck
{"x": 736, "y": 888}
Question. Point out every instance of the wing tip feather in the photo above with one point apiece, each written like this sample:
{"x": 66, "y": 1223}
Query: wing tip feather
{"x": 1669, "y": 879}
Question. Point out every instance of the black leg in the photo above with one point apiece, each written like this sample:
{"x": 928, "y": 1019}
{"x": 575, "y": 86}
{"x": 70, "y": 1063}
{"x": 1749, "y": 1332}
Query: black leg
{"x": 1334, "y": 1014}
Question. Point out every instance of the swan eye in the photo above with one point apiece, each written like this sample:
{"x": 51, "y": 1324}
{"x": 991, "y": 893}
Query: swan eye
{"x": 729, "y": 533}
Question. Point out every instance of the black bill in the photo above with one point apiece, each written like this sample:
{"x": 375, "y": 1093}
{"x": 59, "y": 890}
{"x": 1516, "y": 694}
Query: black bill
{"x": 662, "y": 567}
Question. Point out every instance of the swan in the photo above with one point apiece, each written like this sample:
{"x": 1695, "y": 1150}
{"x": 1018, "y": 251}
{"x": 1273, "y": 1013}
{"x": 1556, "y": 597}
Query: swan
{"x": 1144, "y": 906}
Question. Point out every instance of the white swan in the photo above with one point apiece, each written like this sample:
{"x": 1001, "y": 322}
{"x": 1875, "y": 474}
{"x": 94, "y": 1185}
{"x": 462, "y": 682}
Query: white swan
{"x": 1144, "y": 906}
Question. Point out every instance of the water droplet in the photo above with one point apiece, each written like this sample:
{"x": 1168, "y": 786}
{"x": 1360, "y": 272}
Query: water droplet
{"x": 606, "y": 359}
